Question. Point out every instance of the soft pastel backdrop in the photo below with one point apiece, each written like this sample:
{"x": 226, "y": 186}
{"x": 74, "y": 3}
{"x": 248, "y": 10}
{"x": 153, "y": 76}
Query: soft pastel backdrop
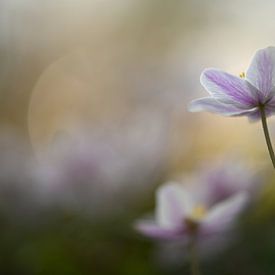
{"x": 93, "y": 116}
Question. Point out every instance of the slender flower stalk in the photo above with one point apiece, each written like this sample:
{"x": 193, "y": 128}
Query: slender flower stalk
{"x": 267, "y": 137}
{"x": 251, "y": 94}
{"x": 194, "y": 261}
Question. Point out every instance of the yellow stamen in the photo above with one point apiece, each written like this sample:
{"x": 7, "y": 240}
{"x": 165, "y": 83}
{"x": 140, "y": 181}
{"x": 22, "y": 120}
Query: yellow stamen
{"x": 198, "y": 212}
{"x": 242, "y": 75}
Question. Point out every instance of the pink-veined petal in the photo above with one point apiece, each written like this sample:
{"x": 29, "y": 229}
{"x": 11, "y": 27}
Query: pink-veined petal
{"x": 261, "y": 71}
{"x": 228, "y": 88}
{"x": 173, "y": 204}
{"x": 212, "y": 105}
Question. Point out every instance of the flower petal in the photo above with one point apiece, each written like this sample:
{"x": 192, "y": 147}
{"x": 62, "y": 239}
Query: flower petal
{"x": 261, "y": 71}
{"x": 254, "y": 116}
{"x": 212, "y": 105}
{"x": 222, "y": 216}
{"x": 173, "y": 203}
{"x": 228, "y": 88}
{"x": 151, "y": 229}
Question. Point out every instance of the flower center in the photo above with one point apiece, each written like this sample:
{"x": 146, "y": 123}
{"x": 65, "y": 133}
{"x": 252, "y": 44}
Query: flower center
{"x": 242, "y": 75}
{"x": 198, "y": 212}
{"x": 193, "y": 220}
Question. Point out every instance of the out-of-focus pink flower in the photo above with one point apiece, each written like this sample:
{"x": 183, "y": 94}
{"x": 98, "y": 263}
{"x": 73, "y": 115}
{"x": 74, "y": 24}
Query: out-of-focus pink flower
{"x": 90, "y": 171}
{"x": 182, "y": 215}
{"x": 224, "y": 178}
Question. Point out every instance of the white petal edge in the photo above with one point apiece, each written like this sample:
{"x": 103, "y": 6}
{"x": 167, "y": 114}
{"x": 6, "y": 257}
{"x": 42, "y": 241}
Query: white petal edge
{"x": 210, "y": 104}
{"x": 223, "y": 215}
{"x": 153, "y": 230}
{"x": 261, "y": 71}
{"x": 173, "y": 204}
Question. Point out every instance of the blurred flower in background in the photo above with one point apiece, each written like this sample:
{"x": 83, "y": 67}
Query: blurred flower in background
{"x": 210, "y": 201}
{"x": 181, "y": 216}
{"x": 224, "y": 177}
{"x": 205, "y": 204}
{"x": 92, "y": 171}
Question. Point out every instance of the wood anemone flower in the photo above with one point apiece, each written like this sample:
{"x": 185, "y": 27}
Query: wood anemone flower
{"x": 251, "y": 94}
{"x": 181, "y": 215}
{"x": 187, "y": 219}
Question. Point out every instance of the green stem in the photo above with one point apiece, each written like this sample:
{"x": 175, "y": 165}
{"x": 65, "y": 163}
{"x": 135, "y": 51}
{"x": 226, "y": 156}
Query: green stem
{"x": 194, "y": 262}
{"x": 266, "y": 133}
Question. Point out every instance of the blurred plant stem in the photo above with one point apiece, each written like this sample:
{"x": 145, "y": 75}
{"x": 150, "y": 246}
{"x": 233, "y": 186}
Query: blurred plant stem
{"x": 266, "y": 133}
{"x": 194, "y": 261}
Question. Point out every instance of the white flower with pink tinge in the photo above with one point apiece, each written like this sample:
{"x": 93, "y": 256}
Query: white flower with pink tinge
{"x": 243, "y": 95}
{"x": 181, "y": 215}
{"x": 251, "y": 94}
